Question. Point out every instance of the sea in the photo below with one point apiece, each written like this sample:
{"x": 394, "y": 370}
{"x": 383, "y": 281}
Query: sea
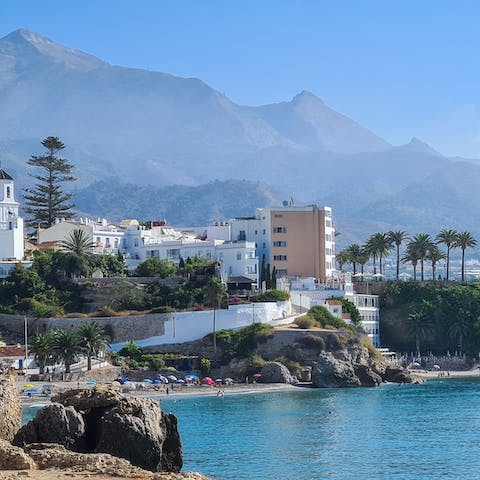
{"x": 417, "y": 432}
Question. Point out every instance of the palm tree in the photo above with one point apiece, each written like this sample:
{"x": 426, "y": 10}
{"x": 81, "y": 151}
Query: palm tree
{"x": 397, "y": 237}
{"x": 363, "y": 259}
{"x": 378, "y": 246}
{"x": 421, "y": 243}
{"x": 78, "y": 242}
{"x": 449, "y": 239}
{"x": 435, "y": 255}
{"x": 353, "y": 252}
{"x": 342, "y": 259}
{"x": 92, "y": 340}
{"x": 465, "y": 240}
{"x": 418, "y": 328}
{"x": 66, "y": 347}
{"x": 411, "y": 255}
{"x": 459, "y": 329}
{"x": 41, "y": 347}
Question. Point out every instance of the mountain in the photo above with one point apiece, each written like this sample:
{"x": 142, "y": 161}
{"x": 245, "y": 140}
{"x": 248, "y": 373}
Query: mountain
{"x": 179, "y": 204}
{"x": 131, "y": 132}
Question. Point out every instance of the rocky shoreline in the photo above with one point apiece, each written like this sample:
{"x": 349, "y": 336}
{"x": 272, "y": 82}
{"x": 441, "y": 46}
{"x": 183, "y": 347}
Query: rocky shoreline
{"x": 89, "y": 432}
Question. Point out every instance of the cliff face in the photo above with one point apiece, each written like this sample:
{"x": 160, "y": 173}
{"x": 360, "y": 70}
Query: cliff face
{"x": 10, "y": 409}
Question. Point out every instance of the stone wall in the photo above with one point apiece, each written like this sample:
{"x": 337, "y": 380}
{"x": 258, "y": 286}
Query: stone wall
{"x": 153, "y": 328}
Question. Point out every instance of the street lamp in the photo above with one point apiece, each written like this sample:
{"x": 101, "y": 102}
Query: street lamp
{"x": 173, "y": 318}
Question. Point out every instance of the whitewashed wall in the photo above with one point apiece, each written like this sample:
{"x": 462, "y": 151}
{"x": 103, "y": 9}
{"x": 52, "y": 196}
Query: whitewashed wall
{"x": 190, "y": 326}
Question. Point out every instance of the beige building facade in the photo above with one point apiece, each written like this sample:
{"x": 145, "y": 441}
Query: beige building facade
{"x": 302, "y": 241}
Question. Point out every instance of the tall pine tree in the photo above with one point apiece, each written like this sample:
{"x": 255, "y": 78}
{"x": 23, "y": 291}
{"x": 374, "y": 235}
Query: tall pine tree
{"x": 47, "y": 200}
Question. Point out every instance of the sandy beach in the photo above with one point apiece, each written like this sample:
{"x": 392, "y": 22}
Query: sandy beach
{"x": 447, "y": 375}
{"x": 178, "y": 392}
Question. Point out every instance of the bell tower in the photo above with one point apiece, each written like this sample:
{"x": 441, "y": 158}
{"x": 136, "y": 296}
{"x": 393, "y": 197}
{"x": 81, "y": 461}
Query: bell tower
{"x": 11, "y": 225}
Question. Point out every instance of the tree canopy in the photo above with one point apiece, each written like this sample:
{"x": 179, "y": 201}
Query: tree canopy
{"x": 47, "y": 200}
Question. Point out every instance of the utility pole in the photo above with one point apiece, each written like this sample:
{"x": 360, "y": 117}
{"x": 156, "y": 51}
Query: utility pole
{"x": 26, "y": 345}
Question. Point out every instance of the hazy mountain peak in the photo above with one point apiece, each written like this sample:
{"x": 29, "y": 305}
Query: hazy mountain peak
{"x": 306, "y": 95}
{"x": 417, "y": 145}
{"x": 24, "y": 48}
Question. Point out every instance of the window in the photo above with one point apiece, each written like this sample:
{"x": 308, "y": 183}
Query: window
{"x": 328, "y": 222}
{"x": 279, "y": 230}
{"x": 280, "y": 244}
{"x": 278, "y": 215}
{"x": 107, "y": 242}
{"x": 282, "y": 272}
{"x": 98, "y": 242}
{"x": 8, "y": 192}
{"x": 264, "y": 231}
{"x": 280, "y": 258}
{"x": 209, "y": 254}
{"x": 241, "y": 235}
{"x": 136, "y": 242}
{"x": 264, "y": 245}
{"x": 153, "y": 253}
{"x": 328, "y": 237}
{"x": 239, "y": 255}
{"x": 256, "y": 232}
{"x": 173, "y": 252}
{"x": 115, "y": 243}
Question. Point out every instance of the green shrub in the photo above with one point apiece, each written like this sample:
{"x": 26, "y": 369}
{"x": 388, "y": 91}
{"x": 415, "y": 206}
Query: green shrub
{"x": 271, "y": 296}
{"x": 325, "y": 318}
{"x": 367, "y": 343}
{"x": 333, "y": 342}
{"x": 131, "y": 350}
{"x": 293, "y": 366}
{"x": 256, "y": 363}
{"x": 205, "y": 366}
{"x": 313, "y": 341}
{"x": 153, "y": 361}
{"x": 305, "y": 321}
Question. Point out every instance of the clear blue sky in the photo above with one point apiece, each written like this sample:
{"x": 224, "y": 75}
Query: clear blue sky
{"x": 402, "y": 68}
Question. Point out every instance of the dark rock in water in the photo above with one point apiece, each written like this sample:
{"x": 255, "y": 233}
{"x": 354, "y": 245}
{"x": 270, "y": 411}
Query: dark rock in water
{"x": 401, "y": 375}
{"x": 53, "y": 424}
{"x": 172, "y": 446}
{"x": 276, "y": 372}
{"x": 131, "y": 428}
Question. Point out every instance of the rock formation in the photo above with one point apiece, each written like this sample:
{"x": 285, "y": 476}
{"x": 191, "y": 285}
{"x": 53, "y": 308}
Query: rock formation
{"x": 105, "y": 421}
{"x": 354, "y": 365}
{"x": 10, "y": 409}
{"x": 276, "y": 372}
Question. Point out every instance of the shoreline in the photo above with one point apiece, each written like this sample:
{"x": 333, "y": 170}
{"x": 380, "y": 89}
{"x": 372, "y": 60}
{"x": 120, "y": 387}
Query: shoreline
{"x": 181, "y": 392}
{"x": 237, "y": 389}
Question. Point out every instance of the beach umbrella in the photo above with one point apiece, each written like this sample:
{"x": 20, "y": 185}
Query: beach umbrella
{"x": 29, "y": 385}
{"x": 147, "y": 380}
{"x": 219, "y": 380}
{"x": 157, "y": 382}
{"x": 32, "y": 390}
{"x": 179, "y": 381}
{"x": 173, "y": 378}
{"x": 257, "y": 375}
{"x": 163, "y": 379}
{"x": 229, "y": 381}
{"x": 436, "y": 367}
{"x": 208, "y": 381}
{"x": 90, "y": 382}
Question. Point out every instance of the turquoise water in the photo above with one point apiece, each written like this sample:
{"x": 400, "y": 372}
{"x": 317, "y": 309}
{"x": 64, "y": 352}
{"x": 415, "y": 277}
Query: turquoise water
{"x": 402, "y": 432}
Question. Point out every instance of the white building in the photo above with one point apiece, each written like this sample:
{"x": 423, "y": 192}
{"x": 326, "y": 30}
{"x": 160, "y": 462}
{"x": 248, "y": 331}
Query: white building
{"x": 367, "y": 305}
{"x": 11, "y": 227}
{"x": 105, "y": 237}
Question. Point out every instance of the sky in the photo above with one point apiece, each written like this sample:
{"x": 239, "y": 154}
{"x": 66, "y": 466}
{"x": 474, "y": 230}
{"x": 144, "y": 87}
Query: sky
{"x": 402, "y": 68}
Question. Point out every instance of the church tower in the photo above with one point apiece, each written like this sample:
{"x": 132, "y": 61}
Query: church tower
{"x": 11, "y": 225}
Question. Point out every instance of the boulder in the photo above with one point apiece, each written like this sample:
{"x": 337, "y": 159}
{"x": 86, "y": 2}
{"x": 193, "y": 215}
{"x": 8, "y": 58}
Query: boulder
{"x": 105, "y": 421}
{"x": 367, "y": 376}
{"x": 14, "y": 458}
{"x": 401, "y": 375}
{"x": 330, "y": 372}
{"x": 10, "y": 409}
{"x": 58, "y": 457}
{"x": 53, "y": 424}
{"x": 276, "y": 372}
